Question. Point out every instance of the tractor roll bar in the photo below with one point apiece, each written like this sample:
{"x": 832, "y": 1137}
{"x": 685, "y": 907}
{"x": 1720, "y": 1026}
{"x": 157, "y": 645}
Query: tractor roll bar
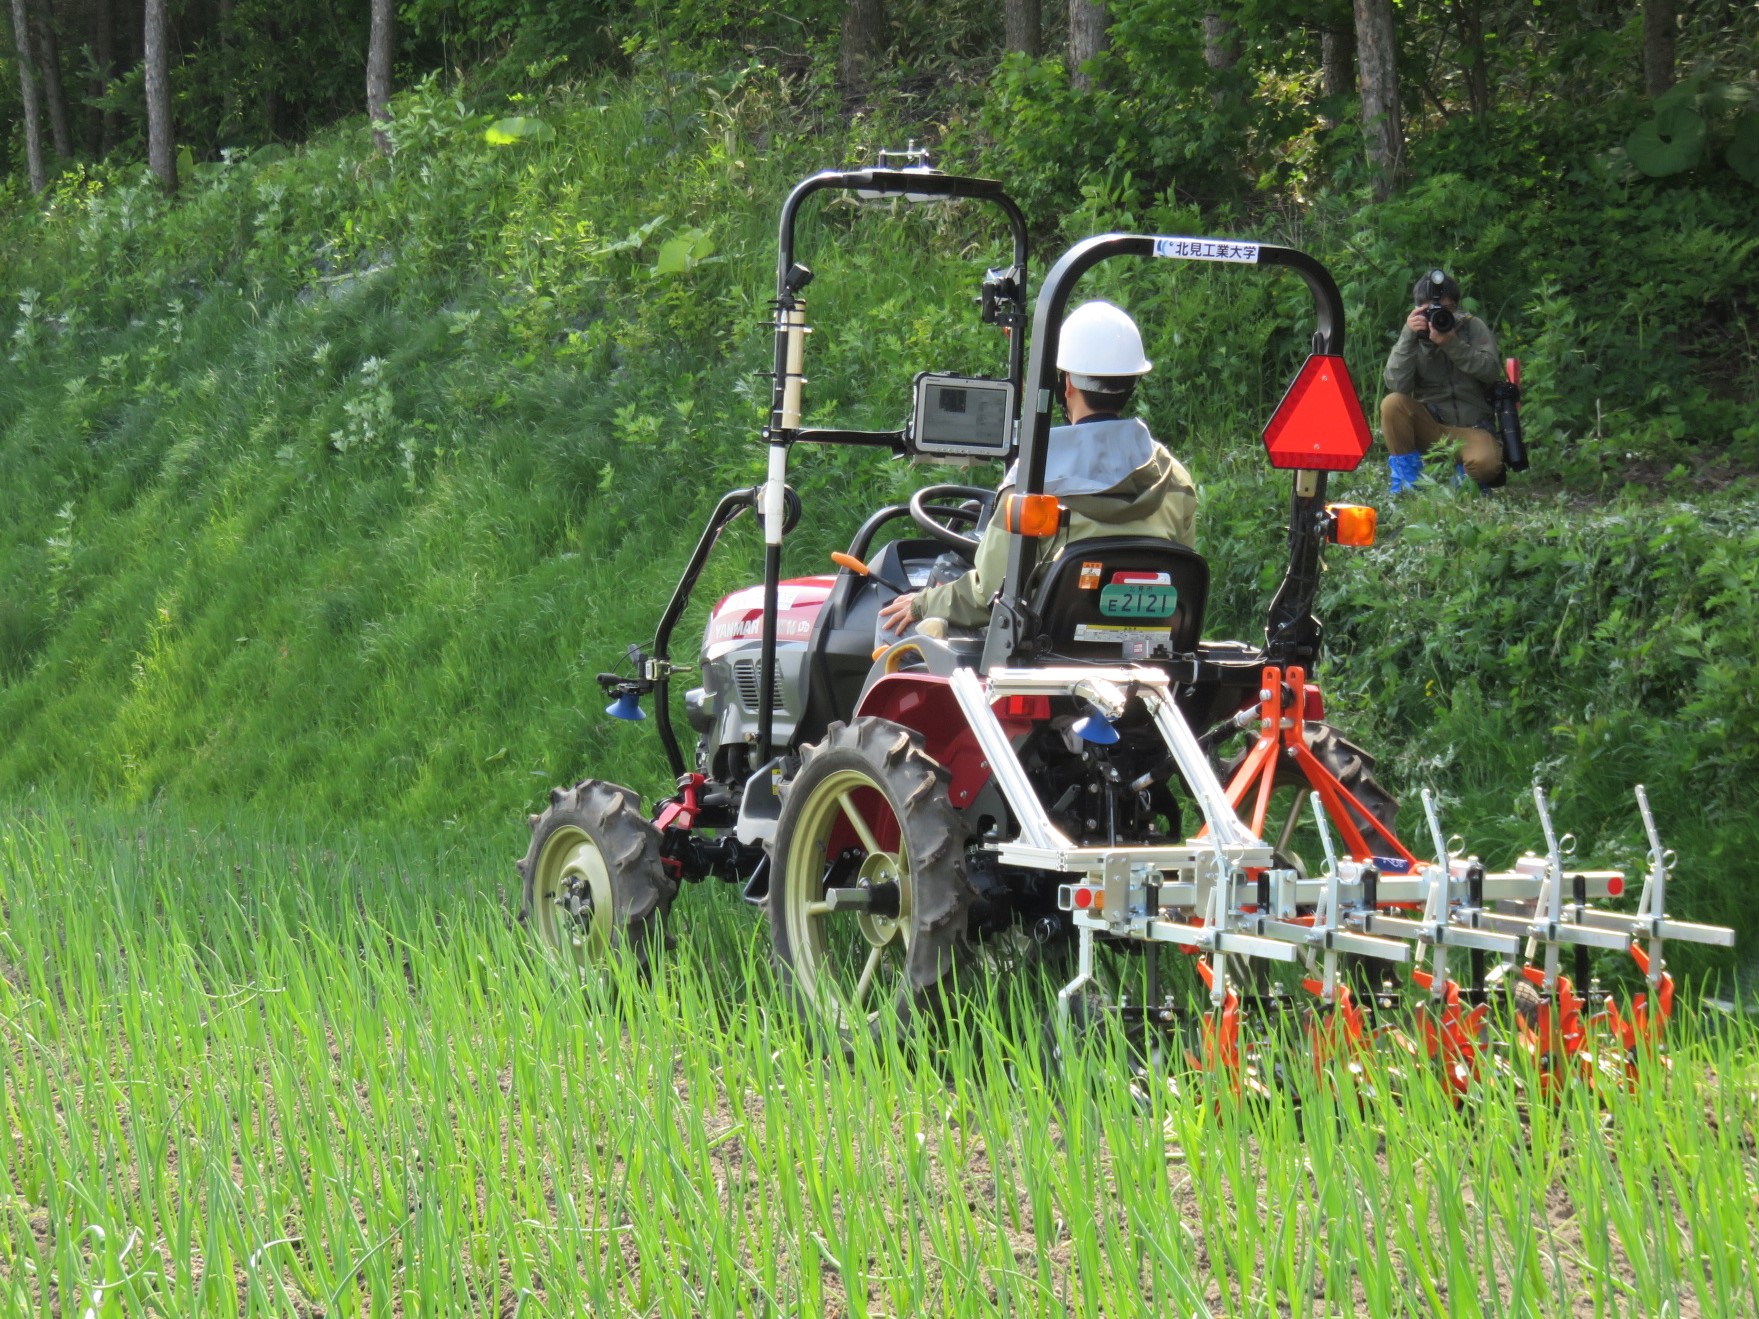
{"x": 1292, "y": 633}
{"x": 916, "y": 184}
{"x": 781, "y": 431}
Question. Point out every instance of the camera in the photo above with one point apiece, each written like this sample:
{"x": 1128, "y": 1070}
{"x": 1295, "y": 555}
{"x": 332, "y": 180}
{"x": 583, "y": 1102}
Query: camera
{"x": 1431, "y": 289}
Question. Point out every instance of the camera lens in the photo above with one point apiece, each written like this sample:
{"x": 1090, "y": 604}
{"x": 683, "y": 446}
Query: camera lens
{"x": 1441, "y": 319}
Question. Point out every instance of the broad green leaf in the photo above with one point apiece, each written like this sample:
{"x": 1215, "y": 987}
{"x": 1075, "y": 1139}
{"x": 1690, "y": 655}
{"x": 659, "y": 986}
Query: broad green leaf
{"x": 1669, "y": 143}
{"x": 679, "y": 254}
{"x": 518, "y": 128}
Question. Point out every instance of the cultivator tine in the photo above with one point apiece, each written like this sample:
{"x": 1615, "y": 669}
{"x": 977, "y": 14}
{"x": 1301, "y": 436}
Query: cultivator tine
{"x": 1654, "y": 900}
{"x": 1435, "y": 907}
{"x": 1327, "y": 915}
{"x": 1551, "y": 895}
{"x": 1083, "y": 973}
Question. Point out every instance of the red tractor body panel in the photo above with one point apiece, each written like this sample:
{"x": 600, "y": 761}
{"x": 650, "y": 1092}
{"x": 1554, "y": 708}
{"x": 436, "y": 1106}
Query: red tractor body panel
{"x": 737, "y": 619}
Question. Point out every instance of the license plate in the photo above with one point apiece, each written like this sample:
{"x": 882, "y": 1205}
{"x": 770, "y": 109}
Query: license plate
{"x": 1139, "y": 600}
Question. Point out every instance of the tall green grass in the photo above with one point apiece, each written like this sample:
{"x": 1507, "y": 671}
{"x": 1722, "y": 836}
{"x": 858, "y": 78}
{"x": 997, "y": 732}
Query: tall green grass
{"x": 272, "y": 1072}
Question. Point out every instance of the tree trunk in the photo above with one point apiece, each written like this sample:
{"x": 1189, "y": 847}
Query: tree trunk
{"x": 864, "y": 24}
{"x": 1337, "y": 67}
{"x": 1472, "y": 52}
{"x": 49, "y": 64}
{"x": 27, "y": 86}
{"x": 378, "y": 73}
{"x": 1023, "y": 22}
{"x": 1377, "y": 57}
{"x": 1658, "y": 46}
{"x": 1087, "y": 38}
{"x": 103, "y": 72}
{"x": 1221, "y": 40}
{"x": 161, "y": 148}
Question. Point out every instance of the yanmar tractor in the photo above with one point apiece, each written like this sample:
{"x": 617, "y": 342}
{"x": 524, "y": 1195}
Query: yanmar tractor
{"x": 899, "y": 805}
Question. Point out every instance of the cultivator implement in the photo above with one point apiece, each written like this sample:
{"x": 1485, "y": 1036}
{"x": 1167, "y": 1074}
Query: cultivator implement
{"x": 1462, "y": 933}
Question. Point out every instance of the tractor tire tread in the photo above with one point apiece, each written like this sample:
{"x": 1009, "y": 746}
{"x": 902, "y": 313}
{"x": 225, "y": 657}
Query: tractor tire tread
{"x": 943, "y": 896}
{"x": 610, "y": 815}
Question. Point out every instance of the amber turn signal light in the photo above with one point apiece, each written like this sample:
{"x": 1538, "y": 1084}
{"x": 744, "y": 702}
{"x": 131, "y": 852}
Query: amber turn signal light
{"x": 1032, "y": 515}
{"x": 1352, "y": 524}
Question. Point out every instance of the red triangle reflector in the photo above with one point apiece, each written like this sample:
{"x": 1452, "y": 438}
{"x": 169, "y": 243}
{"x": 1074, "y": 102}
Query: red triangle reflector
{"x": 1319, "y": 425}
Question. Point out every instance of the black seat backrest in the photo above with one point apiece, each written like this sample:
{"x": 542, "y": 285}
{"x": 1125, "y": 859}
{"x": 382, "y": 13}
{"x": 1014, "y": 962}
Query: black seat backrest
{"x": 1119, "y": 598}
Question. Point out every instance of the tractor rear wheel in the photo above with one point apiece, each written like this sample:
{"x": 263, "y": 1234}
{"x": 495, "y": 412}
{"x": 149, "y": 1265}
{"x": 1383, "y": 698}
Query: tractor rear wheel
{"x": 593, "y": 877}
{"x": 869, "y": 898}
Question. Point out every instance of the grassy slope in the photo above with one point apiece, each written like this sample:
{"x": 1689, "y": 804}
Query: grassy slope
{"x": 329, "y": 488}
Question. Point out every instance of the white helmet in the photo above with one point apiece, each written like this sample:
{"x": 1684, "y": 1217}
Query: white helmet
{"x": 1099, "y": 341}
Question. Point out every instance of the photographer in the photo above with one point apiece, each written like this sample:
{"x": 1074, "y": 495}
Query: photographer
{"x": 1436, "y": 378}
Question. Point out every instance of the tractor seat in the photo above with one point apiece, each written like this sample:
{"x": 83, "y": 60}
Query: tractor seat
{"x": 1121, "y": 599}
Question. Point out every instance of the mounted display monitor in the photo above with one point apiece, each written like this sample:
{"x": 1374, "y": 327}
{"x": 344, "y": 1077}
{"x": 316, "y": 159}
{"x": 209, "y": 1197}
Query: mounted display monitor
{"x": 962, "y": 417}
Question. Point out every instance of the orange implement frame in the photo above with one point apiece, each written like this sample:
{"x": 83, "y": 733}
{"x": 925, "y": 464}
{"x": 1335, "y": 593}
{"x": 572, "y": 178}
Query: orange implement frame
{"x": 1282, "y": 736}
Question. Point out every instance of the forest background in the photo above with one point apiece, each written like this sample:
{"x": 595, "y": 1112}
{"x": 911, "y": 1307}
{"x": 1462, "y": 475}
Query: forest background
{"x": 368, "y": 371}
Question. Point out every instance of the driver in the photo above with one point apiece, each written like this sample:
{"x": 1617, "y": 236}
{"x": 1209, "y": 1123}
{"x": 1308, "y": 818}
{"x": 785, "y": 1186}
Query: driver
{"x": 1112, "y": 475}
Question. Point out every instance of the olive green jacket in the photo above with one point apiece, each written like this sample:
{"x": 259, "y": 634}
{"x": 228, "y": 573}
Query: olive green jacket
{"x": 1449, "y": 378}
{"x": 1157, "y": 498}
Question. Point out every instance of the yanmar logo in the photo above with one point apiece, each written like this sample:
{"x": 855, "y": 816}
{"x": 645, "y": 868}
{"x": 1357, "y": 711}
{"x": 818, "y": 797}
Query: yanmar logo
{"x": 739, "y": 629}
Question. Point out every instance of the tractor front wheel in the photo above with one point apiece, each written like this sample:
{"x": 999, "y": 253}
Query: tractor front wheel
{"x": 869, "y": 898}
{"x": 593, "y": 876}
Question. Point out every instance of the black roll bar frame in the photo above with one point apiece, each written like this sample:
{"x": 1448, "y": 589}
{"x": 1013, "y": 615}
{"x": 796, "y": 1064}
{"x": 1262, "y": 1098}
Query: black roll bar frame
{"x": 1292, "y": 633}
{"x": 914, "y": 184}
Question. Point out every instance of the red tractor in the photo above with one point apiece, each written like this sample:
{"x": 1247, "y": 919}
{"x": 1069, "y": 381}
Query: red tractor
{"x": 898, "y": 805}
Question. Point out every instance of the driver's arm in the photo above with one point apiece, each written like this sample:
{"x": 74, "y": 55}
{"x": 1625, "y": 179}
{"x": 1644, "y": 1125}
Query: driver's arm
{"x": 964, "y": 602}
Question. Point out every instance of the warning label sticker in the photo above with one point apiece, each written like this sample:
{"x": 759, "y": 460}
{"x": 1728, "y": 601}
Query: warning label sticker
{"x": 1119, "y": 635}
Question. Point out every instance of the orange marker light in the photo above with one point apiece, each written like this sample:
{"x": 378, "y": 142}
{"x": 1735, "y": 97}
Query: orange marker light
{"x": 1032, "y": 515}
{"x": 1352, "y": 524}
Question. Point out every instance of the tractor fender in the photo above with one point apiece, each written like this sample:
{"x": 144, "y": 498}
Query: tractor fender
{"x": 924, "y": 702}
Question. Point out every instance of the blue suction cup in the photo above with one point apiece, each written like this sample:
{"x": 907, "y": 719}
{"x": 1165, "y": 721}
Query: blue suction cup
{"x": 628, "y": 706}
{"x": 1096, "y": 728}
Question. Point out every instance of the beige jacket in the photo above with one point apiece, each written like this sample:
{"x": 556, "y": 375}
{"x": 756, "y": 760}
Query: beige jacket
{"x": 1155, "y": 497}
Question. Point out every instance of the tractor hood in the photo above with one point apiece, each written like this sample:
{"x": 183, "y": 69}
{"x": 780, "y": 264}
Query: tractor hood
{"x": 738, "y": 619}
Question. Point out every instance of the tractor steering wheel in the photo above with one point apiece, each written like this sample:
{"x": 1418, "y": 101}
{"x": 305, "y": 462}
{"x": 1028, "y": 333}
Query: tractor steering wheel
{"x": 933, "y": 518}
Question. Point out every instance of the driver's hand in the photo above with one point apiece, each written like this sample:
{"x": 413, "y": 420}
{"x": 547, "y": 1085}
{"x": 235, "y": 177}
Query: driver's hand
{"x": 895, "y": 613}
{"x": 1418, "y": 321}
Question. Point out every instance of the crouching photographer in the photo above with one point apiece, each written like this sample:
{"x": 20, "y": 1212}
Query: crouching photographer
{"x": 1439, "y": 377}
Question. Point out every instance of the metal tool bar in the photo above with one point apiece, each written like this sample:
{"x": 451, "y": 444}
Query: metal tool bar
{"x": 1036, "y": 828}
{"x": 1209, "y": 938}
{"x": 1559, "y": 931}
{"x": 1344, "y": 941}
{"x": 1454, "y": 936}
{"x": 1092, "y": 861}
{"x": 1175, "y": 864}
